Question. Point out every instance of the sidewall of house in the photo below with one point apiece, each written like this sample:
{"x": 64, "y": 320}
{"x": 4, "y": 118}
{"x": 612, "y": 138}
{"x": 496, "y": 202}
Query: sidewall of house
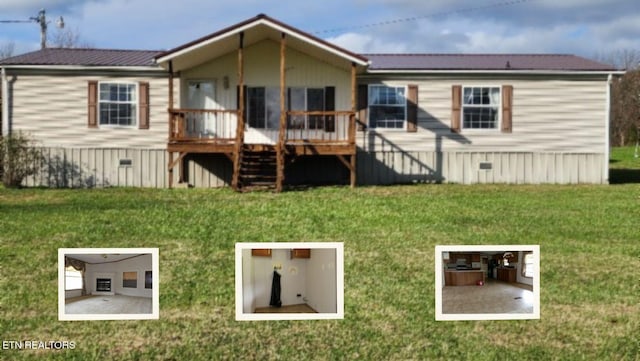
{"x": 559, "y": 135}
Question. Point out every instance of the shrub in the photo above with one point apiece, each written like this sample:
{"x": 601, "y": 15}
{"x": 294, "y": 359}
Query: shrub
{"x": 19, "y": 158}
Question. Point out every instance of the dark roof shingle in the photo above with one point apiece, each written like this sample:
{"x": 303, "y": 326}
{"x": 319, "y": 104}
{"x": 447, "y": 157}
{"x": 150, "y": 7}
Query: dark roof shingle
{"x": 84, "y": 57}
{"x": 548, "y": 62}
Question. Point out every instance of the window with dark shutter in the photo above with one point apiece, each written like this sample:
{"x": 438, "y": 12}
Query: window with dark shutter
{"x": 412, "y": 108}
{"x": 363, "y": 104}
{"x": 456, "y": 106}
{"x": 143, "y": 89}
{"x": 507, "y": 108}
{"x": 92, "y": 101}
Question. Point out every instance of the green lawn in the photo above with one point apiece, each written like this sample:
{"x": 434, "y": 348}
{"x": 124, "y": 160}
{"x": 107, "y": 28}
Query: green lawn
{"x": 590, "y": 270}
{"x": 624, "y": 166}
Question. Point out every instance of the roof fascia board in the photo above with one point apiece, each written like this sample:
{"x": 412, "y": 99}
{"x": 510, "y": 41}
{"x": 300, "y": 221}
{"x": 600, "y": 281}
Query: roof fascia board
{"x": 510, "y": 72}
{"x": 252, "y": 24}
{"x": 86, "y": 68}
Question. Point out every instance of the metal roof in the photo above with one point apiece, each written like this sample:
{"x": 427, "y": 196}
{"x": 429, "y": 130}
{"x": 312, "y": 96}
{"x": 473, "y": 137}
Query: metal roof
{"x": 85, "y": 57}
{"x": 488, "y": 62}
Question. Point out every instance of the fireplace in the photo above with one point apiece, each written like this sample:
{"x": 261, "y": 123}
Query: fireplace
{"x": 103, "y": 284}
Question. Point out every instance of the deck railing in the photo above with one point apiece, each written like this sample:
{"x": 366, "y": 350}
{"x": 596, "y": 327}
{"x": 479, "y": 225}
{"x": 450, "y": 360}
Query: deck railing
{"x": 320, "y": 127}
{"x": 202, "y": 125}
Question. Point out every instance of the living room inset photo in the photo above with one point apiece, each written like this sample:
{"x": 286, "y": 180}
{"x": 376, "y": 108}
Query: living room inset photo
{"x": 108, "y": 283}
{"x": 289, "y": 281}
{"x": 487, "y": 282}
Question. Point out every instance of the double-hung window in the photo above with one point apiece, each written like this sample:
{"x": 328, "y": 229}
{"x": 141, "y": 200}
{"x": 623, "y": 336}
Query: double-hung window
{"x": 527, "y": 265}
{"x": 481, "y": 108}
{"x": 118, "y": 104}
{"x": 387, "y": 106}
{"x": 72, "y": 279}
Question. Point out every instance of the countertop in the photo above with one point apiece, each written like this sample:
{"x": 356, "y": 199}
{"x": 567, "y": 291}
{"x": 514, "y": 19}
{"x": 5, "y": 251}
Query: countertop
{"x": 464, "y": 270}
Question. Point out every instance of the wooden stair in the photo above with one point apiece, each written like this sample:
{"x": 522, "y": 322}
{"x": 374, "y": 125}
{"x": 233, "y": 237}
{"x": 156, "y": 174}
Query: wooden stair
{"x": 258, "y": 168}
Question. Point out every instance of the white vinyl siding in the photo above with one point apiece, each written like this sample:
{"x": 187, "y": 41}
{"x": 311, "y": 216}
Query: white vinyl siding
{"x": 565, "y": 115}
{"x": 53, "y": 110}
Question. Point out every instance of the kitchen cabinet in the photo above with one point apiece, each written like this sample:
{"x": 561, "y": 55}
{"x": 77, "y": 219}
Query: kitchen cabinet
{"x": 261, "y": 252}
{"x": 507, "y": 274}
{"x": 301, "y": 253}
{"x": 462, "y": 278}
{"x": 475, "y": 257}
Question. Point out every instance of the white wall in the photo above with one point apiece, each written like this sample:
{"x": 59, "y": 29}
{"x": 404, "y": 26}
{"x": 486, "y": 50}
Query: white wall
{"x": 137, "y": 264}
{"x": 248, "y": 301}
{"x": 292, "y": 281}
{"x": 519, "y": 277}
{"x": 314, "y": 279}
{"x": 321, "y": 281}
{"x": 72, "y": 293}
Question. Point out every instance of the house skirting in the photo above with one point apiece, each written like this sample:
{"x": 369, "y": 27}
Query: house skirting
{"x": 108, "y": 167}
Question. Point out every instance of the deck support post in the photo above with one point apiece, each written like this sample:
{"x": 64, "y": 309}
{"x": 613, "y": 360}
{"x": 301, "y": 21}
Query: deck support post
{"x": 170, "y": 111}
{"x": 280, "y": 150}
{"x": 239, "y": 142}
{"x": 170, "y": 168}
{"x": 352, "y": 126}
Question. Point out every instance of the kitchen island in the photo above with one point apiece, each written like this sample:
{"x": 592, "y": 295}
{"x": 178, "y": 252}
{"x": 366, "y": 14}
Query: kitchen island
{"x": 463, "y": 277}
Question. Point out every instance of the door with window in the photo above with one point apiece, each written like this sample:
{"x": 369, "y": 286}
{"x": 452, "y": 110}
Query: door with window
{"x": 201, "y": 95}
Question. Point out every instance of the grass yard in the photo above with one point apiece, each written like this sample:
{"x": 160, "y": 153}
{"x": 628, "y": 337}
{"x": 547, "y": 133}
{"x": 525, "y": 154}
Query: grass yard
{"x": 590, "y": 270}
{"x": 624, "y": 167}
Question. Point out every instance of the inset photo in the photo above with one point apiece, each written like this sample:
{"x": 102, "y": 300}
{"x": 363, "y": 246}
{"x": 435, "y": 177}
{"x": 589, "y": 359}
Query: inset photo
{"x": 108, "y": 284}
{"x": 492, "y": 282}
{"x": 289, "y": 281}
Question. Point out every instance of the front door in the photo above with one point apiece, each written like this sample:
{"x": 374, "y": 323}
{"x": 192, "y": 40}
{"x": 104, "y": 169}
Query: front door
{"x": 201, "y": 94}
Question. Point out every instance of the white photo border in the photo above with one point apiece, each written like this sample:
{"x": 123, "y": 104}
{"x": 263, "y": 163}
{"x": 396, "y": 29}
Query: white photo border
{"x": 155, "y": 283}
{"x": 339, "y": 315}
{"x": 439, "y": 316}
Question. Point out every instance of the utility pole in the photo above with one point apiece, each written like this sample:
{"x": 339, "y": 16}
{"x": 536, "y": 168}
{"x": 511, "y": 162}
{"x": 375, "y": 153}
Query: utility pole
{"x": 42, "y": 20}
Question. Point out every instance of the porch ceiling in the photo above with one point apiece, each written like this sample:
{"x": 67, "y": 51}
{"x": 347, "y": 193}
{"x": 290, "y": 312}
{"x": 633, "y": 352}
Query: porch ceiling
{"x": 260, "y": 28}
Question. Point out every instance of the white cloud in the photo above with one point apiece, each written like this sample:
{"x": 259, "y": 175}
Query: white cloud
{"x": 361, "y": 43}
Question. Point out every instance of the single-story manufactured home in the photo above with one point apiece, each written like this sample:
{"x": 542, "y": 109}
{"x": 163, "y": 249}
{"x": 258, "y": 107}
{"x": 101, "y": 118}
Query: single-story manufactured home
{"x": 261, "y": 103}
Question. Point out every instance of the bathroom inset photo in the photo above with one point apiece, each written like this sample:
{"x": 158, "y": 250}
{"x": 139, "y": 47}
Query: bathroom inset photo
{"x": 108, "y": 283}
{"x": 289, "y": 281}
{"x": 487, "y": 282}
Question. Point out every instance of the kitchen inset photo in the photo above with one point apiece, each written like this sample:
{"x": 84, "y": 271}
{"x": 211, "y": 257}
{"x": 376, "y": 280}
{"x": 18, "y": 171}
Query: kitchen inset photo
{"x": 487, "y": 282}
{"x": 108, "y": 284}
{"x": 289, "y": 281}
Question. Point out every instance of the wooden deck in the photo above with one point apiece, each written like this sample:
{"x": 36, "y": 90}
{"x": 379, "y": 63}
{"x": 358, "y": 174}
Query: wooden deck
{"x": 261, "y": 164}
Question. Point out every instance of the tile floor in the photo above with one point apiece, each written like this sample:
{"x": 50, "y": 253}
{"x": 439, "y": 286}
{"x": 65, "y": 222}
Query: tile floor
{"x": 493, "y": 297}
{"x": 117, "y": 304}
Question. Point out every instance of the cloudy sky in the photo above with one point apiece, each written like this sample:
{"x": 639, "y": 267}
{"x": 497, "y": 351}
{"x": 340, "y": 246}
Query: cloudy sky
{"x": 583, "y": 27}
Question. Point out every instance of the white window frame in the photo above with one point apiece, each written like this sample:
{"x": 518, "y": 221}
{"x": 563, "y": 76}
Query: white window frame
{"x": 404, "y": 106}
{"x": 525, "y": 269}
{"x": 134, "y": 103}
{"x": 498, "y": 124}
{"x": 77, "y": 274}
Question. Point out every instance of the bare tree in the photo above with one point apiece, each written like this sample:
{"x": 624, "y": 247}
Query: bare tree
{"x": 625, "y": 109}
{"x": 623, "y": 59}
{"x": 68, "y": 38}
{"x": 7, "y": 49}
